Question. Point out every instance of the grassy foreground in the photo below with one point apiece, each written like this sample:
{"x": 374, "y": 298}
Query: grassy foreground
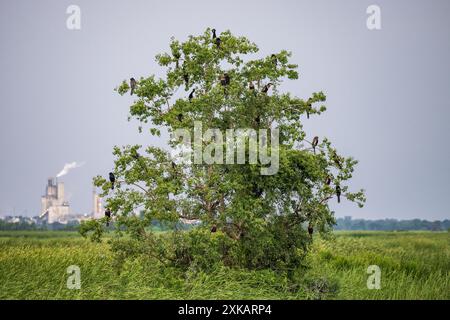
{"x": 414, "y": 265}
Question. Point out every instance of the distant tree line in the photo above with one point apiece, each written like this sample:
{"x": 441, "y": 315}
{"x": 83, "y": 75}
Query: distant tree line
{"x": 23, "y": 225}
{"x": 348, "y": 223}
{"x": 4, "y": 225}
{"x": 74, "y": 226}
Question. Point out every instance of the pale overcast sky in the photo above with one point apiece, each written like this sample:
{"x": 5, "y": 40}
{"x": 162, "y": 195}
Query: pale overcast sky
{"x": 388, "y": 90}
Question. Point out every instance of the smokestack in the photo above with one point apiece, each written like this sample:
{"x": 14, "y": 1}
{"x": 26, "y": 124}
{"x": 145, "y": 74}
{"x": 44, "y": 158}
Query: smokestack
{"x": 60, "y": 192}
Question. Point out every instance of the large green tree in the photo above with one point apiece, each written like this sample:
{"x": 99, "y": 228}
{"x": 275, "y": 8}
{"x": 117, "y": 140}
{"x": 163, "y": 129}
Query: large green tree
{"x": 247, "y": 218}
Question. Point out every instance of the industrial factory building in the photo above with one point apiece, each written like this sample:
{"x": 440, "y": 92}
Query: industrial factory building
{"x": 55, "y": 209}
{"x": 53, "y": 206}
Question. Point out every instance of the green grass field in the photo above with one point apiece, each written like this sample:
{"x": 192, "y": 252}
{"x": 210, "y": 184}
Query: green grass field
{"x": 414, "y": 265}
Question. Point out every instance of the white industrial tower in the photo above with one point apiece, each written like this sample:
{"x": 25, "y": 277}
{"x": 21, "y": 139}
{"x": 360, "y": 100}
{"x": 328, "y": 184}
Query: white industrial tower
{"x": 53, "y": 206}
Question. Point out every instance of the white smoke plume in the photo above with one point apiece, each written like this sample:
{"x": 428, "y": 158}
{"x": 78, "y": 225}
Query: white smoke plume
{"x": 68, "y": 167}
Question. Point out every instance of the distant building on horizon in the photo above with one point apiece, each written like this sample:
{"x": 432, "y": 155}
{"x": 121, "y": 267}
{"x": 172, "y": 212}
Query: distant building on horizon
{"x": 55, "y": 209}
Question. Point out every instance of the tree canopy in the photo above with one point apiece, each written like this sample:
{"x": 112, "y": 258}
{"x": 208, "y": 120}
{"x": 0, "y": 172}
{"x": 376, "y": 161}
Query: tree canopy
{"x": 246, "y": 218}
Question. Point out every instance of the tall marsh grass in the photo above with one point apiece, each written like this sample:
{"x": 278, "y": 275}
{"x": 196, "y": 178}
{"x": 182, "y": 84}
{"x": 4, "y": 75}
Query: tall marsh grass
{"x": 414, "y": 265}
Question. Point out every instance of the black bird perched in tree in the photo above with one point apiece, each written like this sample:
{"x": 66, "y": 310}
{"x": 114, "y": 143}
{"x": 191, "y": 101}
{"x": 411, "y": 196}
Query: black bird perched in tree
{"x": 338, "y": 193}
{"x": 274, "y": 59}
{"x": 213, "y": 228}
{"x": 314, "y": 143}
{"x": 177, "y": 56}
{"x": 328, "y": 180}
{"x": 112, "y": 179}
{"x": 218, "y": 42}
{"x": 225, "y": 79}
{"x": 214, "y": 34}
{"x": 308, "y": 105}
{"x": 191, "y": 95}
{"x": 186, "y": 80}
{"x": 258, "y": 120}
{"x": 180, "y": 117}
{"x": 267, "y": 87}
{"x": 337, "y": 160}
{"x": 310, "y": 230}
{"x": 108, "y": 216}
{"x": 132, "y": 85}
{"x": 257, "y": 191}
